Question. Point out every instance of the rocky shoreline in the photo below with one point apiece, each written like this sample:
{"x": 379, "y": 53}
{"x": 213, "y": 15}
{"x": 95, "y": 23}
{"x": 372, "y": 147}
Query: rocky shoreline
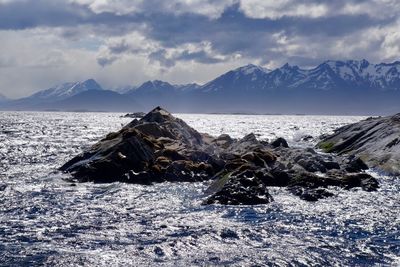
{"x": 375, "y": 140}
{"x": 160, "y": 147}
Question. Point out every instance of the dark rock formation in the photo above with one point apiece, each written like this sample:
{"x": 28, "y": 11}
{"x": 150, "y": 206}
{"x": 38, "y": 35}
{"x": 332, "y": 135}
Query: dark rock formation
{"x": 375, "y": 141}
{"x": 279, "y": 142}
{"x": 307, "y": 138}
{"x": 134, "y": 115}
{"x": 160, "y": 147}
{"x": 156, "y": 148}
{"x": 242, "y": 188}
{"x": 310, "y": 194}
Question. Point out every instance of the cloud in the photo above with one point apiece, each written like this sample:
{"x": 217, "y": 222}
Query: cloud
{"x": 104, "y": 61}
{"x": 161, "y": 57}
{"x": 281, "y": 8}
{"x": 185, "y": 40}
{"x": 209, "y": 8}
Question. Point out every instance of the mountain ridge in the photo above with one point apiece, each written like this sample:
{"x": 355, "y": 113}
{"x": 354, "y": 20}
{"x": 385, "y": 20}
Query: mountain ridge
{"x": 66, "y": 90}
{"x": 351, "y": 86}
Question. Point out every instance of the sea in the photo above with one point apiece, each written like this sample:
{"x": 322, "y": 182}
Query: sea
{"x": 45, "y": 220}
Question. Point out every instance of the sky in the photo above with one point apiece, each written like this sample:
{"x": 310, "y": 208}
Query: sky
{"x": 127, "y": 42}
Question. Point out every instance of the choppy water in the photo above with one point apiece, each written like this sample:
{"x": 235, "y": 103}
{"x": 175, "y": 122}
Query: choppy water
{"x": 47, "y": 221}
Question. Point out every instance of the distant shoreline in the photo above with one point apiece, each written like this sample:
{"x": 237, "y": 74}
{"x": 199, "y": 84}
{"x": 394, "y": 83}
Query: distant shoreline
{"x": 207, "y": 113}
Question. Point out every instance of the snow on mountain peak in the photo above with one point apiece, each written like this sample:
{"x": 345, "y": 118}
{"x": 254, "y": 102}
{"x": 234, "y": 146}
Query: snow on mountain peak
{"x": 287, "y": 68}
{"x": 251, "y": 68}
{"x": 159, "y": 83}
{"x": 66, "y": 90}
{"x": 328, "y": 75}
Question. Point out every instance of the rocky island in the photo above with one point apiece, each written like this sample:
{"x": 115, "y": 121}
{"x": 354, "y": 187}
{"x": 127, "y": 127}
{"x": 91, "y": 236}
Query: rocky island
{"x": 160, "y": 147}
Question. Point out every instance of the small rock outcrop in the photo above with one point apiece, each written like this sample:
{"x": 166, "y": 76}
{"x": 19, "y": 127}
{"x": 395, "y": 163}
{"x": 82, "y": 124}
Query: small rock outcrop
{"x": 160, "y": 147}
{"x": 134, "y": 115}
{"x": 375, "y": 141}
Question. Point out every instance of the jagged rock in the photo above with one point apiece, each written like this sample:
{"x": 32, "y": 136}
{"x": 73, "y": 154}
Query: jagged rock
{"x": 276, "y": 177}
{"x": 307, "y": 138}
{"x": 223, "y": 141}
{"x": 156, "y": 148}
{"x": 310, "y": 194}
{"x": 329, "y": 165}
{"x": 354, "y": 164}
{"x": 241, "y": 190}
{"x": 279, "y": 142}
{"x": 375, "y": 141}
{"x": 335, "y": 178}
{"x": 160, "y": 147}
{"x": 109, "y": 159}
{"x": 312, "y": 165}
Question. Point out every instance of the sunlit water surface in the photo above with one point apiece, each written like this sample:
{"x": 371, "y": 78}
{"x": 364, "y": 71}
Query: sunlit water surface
{"x": 45, "y": 220}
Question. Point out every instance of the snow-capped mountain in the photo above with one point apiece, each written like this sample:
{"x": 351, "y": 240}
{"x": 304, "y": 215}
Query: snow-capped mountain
{"x": 351, "y": 87}
{"x": 185, "y": 88}
{"x": 247, "y": 78}
{"x": 330, "y": 75}
{"x": 153, "y": 88}
{"x": 123, "y": 89}
{"x": 155, "y": 93}
{"x": 352, "y": 74}
{"x": 333, "y": 87}
{"x": 65, "y": 90}
{"x": 161, "y": 87}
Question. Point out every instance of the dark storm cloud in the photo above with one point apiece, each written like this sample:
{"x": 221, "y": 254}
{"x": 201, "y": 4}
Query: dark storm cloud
{"x": 231, "y": 32}
{"x": 119, "y": 48}
{"x": 161, "y": 57}
{"x": 21, "y": 15}
{"x": 24, "y": 14}
{"x": 199, "y": 56}
{"x": 104, "y": 61}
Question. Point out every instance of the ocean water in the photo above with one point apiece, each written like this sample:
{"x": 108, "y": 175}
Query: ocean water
{"x": 45, "y": 220}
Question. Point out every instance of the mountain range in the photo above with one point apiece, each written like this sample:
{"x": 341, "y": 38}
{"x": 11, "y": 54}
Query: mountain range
{"x": 333, "y": 87}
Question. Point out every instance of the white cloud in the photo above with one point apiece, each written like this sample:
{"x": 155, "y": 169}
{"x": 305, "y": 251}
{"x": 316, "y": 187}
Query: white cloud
{"x": 116, "y": 6}
{"x": 213, "y": 9}
{"x": 373, "y": 8}
{"x": 274, "y": 9}
{"x": 210, "y": 8}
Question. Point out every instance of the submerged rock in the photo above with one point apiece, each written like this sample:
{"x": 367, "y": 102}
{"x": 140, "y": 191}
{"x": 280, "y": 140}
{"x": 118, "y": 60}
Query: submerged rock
{"x": 160, "y": 147}
{"x": 310, "y": 194}
{"x": 375, "y": 141}
{"x": 228, "y": 233}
